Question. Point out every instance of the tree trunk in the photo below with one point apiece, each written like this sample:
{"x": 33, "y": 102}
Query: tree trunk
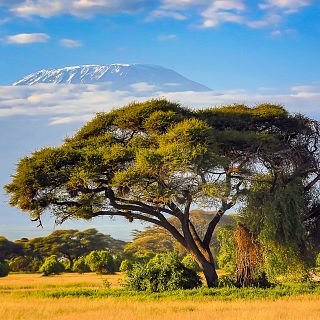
{"x": 210, "y": 274}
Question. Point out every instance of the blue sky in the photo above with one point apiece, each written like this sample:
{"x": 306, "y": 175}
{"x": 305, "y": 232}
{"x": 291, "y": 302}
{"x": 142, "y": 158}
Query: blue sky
{"x": 223, "y": 44}
{"x": 246, "y": 51}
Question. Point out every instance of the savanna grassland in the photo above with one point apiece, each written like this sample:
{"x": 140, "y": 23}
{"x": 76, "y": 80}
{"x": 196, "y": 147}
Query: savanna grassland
{"x": 73, "y": 296}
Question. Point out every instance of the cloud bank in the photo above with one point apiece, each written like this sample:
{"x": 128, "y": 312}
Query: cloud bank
{"x": 78, "y": 103}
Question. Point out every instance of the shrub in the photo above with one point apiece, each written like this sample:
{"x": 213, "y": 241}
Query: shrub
{"x": 4, "y": 269}
{"x": 164, "y": 272}
{"x": 51, "y": 266}
{"x": 80, "y": 266}
{"x": 100, "y": 261}
{"x": 227, "y": 281}
{"x": 190, "y": 263}
{"x": 126, "y": 265}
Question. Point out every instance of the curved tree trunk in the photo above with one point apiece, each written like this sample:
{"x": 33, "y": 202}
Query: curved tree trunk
{"x": 207, "y": 265}
{"x": 210, "y": 274}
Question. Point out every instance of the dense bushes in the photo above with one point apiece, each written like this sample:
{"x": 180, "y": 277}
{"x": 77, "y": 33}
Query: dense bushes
{"x": 100, "y": 261}
{"x": 25, "y": 264}
{"x": 51, "y": 266}
{"x": 126, "y": 265}
{"x": 4, "y": 269}
{"x": 163, "y": 272}
{"x": 80, "y": 266}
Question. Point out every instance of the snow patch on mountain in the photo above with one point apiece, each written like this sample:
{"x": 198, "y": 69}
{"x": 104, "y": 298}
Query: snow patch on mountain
{"x": 142, "y": 77}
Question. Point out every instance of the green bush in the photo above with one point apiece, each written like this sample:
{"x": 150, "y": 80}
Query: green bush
{"x": 4, "y": 269}
{"x": 51, "y": 266}
{"x": 164, "y": 272}
{"x": 126, "y": 265}
{"x": 190, "y": 263}
{"x": 80, "y": 266}
{"x": 100, "y": 261}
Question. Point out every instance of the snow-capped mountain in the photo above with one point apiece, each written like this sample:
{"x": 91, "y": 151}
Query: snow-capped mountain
{"x": 138, "y": 77}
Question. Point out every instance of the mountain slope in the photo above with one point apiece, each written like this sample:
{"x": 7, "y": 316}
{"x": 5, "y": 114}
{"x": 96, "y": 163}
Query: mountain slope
{"x": 138, "y": 77}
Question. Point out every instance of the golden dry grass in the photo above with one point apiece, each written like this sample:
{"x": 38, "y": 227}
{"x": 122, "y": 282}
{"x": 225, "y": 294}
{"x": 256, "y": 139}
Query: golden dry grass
{"x": 15, "y": 306}
{"x": 129, "y": 309}
{"x": 26, "y": 282}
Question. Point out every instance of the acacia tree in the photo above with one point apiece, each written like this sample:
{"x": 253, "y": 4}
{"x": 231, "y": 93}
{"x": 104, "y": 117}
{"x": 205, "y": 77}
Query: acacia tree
{"x": 155, "y": 160}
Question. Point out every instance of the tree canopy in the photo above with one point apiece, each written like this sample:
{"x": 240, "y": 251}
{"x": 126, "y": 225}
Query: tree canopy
{"x": 156, "y": 159}
{"x": 70, "y": 244}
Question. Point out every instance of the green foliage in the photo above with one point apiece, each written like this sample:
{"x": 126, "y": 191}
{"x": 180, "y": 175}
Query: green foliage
{"x": 66, "y": 264}
{"x": 100, "y": 261}
{"x": 69, "y": 244}
{"x": 283, "y": 263}
{"x": 126, "y": 265}
{"x": 224, "y": 293}
{"x": 164, "y": 272}
{"x": 226, "y": 257}
{"x": 4, "y": 269}
{"x": 276, "y": 220}
{"x": 189, "y": 262}
{"x": 80, "y": 266}
{"x": 25, "y": 264}
{"x": 227, "y": 281}
{"x": 51, "y": 266}
{"x": 318, "y": 260}
{"x": 143, "y": 142}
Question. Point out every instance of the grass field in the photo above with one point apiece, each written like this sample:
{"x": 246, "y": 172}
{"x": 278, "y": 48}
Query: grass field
{"x": 77, "y": 297}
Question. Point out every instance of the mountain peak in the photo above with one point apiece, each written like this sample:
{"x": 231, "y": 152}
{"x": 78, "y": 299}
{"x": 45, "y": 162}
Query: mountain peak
{"x": 118, "y": 76}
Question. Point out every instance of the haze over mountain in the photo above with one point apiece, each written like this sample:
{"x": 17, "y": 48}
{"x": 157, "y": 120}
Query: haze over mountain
{"x": 138, "y": 77}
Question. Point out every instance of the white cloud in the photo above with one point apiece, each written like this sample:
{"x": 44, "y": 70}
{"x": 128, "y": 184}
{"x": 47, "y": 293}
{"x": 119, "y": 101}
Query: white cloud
{"x": 78, "y": 103}
{"x": 209, "y": 13}
{"x": 27, "y": 38}
{"x": 160, "y": 13}
{"x": 289, "y": 6}
{"x": 223, "y": 11}
{"x": 82, "y": 8}
{"x": 70, "y": 43}
{"x": 167, "y": 37}
{"x": 282, "y": 33}
{"x": 270, "y": 20}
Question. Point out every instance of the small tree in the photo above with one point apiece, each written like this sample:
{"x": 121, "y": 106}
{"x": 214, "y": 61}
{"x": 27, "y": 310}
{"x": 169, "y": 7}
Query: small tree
{"x": 80, "y": 266}
{"x": 126, "y": 265}
{"x": 162, "y": 273}
{"x": 100, "y": 262}
{"x": 51, "y": 266}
